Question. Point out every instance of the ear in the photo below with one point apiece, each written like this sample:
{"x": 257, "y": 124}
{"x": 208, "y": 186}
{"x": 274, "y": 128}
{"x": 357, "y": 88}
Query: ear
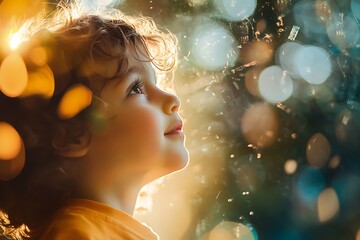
{"x": 10, "y": 168}
{"x": 71, "y": 144}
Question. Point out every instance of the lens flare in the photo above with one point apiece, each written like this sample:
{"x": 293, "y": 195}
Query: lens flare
{"x": 13, "y": 75}
{"x": 15, "y": 40}
{"x": 275, "y": 85}
{"x": 74, "y": 101}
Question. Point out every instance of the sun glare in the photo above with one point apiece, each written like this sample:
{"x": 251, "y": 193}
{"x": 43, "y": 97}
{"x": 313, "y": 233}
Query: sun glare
{"x": 15, "y": 40}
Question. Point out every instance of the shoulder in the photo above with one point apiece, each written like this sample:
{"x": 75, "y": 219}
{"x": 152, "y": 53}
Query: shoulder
{"x": 78, "y": 223}
{"x": 69, "y": 225}
{"x": 89, "y": 220}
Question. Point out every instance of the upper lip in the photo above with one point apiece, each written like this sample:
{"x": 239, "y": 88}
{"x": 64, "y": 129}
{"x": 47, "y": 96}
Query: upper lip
{"x": 177, "y": 126}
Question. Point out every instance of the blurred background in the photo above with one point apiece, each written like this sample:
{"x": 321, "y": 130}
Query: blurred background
{"x": 270, "y": 96}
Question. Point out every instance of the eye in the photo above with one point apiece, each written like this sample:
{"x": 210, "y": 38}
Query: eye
{"x": 136, "y": 88}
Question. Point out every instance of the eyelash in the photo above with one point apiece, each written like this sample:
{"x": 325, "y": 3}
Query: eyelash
{"x": 138, "y": 84}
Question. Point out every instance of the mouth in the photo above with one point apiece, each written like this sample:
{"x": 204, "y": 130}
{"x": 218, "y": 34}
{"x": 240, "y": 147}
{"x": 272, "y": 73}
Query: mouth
{"x": 176, "y": 129}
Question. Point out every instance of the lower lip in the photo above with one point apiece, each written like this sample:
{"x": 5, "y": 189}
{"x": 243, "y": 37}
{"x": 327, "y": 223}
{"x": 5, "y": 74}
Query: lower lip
{"x": 176, "y": 133}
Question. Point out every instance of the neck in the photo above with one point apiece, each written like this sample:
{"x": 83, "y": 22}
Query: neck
{"x": 122, "y": 199}
{"x": 120, "y": 196}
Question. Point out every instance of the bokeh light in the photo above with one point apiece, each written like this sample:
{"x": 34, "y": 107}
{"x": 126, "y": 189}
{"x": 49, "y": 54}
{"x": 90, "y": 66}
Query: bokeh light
{"x": 343, "y": 31}
{"x": 311, "y": 24}
{"x": 227, "y": 230}
{"x": 95, "y": 4}
{"x": 12, "y": 152}
{"x": 355, "y": 8}
{"x": 334, "y": 161}
{"x": 235, "y": 10}
{"x": 259, "y": 52}
{"x": 13, "y": 75}
{"x": 285, "y": 56}
{"x": 252, "y": 81}
{"x": 196, "y": 2}
{"x": 327, "y": 205}
{"x": 318, "y": 150}
{"x": 275, "y": 84}
{"x": 38, "y": 56}
{"x": 10, "y": 142}
{"x": 74, "y": 101}
{"x": 313, "y": 64}
{"x": 213, "y": 47}
{"x": 40, "y": 82}
{"x": 260, "y": 124}
{"x": 290, "y": 166}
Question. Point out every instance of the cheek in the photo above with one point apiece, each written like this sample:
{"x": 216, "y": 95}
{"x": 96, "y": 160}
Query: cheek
{"x": 137, "y": 135}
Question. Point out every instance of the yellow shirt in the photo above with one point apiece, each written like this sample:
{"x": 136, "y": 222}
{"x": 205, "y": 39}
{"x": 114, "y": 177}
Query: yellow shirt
{"x": 82, "y": 219}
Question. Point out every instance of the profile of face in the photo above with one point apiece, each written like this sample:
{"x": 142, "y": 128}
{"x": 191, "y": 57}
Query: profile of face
{"x": 142, "y": 137}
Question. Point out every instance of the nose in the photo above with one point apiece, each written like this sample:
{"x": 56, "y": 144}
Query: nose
{"x": 171, "y": 103}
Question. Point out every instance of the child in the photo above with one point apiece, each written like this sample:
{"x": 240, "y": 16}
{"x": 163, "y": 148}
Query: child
{"x": 83, "y": 168}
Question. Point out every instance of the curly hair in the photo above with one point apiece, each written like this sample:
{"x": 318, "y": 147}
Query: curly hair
{"x": 71, "y": 38}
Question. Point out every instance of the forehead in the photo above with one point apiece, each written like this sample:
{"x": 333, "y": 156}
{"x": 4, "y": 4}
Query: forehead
{"x": 113, "y": 62}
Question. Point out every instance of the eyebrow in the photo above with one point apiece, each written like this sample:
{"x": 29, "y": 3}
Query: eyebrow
{"x": 130, "y": 71}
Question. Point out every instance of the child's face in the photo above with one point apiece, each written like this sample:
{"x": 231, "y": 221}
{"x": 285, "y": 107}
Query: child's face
{"x": 135, "y": 142}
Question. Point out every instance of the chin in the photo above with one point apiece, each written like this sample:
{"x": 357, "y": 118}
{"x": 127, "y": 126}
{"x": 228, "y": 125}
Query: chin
{"x": 176, "y": 163}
